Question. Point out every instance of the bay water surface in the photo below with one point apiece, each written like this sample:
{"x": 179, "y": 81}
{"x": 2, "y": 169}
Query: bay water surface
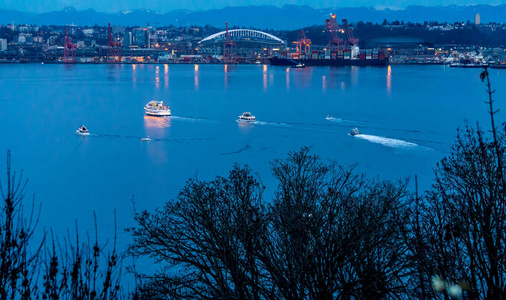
{"x": 408, "y": 116}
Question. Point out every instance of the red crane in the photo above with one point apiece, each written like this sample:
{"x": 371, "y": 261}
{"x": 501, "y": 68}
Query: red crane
{"x": 350, "y": 40}
{"x": 113, "y": 49}
{"x": 69, "y": 49}
{"x": 331, "y": 24}
{"x": 229, "y": 48}
{"x": 303, "y": 43}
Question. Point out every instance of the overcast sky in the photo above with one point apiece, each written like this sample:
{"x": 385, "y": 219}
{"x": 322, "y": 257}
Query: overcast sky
{"x": 168, "y": 5}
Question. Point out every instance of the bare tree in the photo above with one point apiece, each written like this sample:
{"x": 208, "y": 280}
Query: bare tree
{"x": 332, "y": 234}
{"x": 464, "y": 218}
{"x": 206, "y": 239}
{"x": 67, "y": 272}
{"x": 18, "y": 266}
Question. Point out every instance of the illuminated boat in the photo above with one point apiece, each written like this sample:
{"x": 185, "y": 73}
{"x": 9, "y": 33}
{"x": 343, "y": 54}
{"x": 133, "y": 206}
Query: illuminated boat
{"x": 247, "y": 116}
{"x": 299, "y": 66}
{"x": 156, "y": 108}
{"x": 82, "y": 131}
{"x": 354, "y": 132}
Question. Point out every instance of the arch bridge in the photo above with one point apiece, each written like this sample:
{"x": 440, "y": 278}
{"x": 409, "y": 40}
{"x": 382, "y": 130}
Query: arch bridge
{"x": 243, "y": 35}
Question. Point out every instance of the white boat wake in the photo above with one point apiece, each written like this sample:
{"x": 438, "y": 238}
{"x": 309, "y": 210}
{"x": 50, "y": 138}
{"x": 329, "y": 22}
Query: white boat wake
{"x": 262, "y": 123}
{"x": 332, "y": 119}
{"x": 189, "y": 119}
{"x": 339, "y": 120}
{"x": 271, "y": 124}
{"x": 393, "y": 143}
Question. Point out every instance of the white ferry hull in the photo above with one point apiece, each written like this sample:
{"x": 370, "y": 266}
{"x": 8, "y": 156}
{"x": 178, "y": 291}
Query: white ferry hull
{"x": 157, "y": 113}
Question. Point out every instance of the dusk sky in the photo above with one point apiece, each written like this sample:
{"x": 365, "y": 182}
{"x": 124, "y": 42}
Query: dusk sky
{"x": 168, "y": 5}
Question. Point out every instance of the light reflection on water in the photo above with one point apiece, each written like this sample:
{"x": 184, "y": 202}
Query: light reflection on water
{"x": 157, "y": 77}
{"x": 166, "y": 76}
{"x": 151, "y": 122}
{"x": 389, "y": 80}
{"x": 245, "y": 127}
{"x": 196, "y": 77}
{"x": 264, "y": 71}
{"x": 155, "y": 128}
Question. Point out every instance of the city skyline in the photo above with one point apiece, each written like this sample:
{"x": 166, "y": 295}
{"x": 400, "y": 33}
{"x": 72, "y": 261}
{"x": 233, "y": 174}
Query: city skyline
{"x": 113, "y": 6}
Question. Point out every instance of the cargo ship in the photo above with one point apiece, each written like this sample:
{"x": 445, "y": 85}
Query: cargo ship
{"x": 344, "y": 57}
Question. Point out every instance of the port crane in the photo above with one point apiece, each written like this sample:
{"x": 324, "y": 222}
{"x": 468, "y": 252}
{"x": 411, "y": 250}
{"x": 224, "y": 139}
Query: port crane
{"x": 350, "y": 40}
{"x": 303, "y": 43}
{"x": 69, "y": 49}
{"x": 229, "y": 49}
{"x": 332, "y": 27}
{"x": 113, "y": 48}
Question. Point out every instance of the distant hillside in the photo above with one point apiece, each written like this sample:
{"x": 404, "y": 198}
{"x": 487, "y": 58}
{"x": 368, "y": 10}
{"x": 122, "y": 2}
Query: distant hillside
{"x": 286, "y": 17}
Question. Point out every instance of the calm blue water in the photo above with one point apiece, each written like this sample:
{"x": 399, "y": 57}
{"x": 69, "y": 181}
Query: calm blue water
{"x": 409, "y": 115}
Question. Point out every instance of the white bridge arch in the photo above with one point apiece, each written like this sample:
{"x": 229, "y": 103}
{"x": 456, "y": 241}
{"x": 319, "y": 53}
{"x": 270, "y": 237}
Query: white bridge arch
{"x": 242, "y": 34}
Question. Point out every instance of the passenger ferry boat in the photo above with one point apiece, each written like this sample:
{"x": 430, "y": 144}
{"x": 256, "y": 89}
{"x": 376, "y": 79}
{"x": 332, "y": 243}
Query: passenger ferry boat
{"x": 156, "y": 108}
{"x": 247, "y": 116}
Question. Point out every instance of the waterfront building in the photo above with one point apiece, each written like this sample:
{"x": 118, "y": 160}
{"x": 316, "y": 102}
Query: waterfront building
{"x": 52, "y": 40}
{"x": 20, "y": 39}
{"x": 23, "y": 28}
{"x": 3, "y": 44}
{"x": 88, "y": 31}
{"x": 140, "y": 37}
{"x": 127, "y": 39}
{"x": 477, "y": 19}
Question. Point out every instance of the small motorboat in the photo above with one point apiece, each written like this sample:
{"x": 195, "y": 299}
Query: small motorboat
{"x": 354, "y": 132}
{"x": 156, "y": 108}
{"x": 145, "y": 139}
{"x": 299, "y": 66}
{"x": 82, "y": 131}
{"x": 247, "y": 116}
{"x": 328, "y": 117}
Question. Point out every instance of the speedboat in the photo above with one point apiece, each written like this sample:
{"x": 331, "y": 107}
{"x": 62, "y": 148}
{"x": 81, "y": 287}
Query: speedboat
{"x": 247, "y": 116}
{"x": 299, "y": 65}
{"x": 145, "y": 139}
{"x": 354, "y": 132}
{"x": 328, "y": 117}
{"x": 156, "y": 108}
{"x": 82, "y": 131}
